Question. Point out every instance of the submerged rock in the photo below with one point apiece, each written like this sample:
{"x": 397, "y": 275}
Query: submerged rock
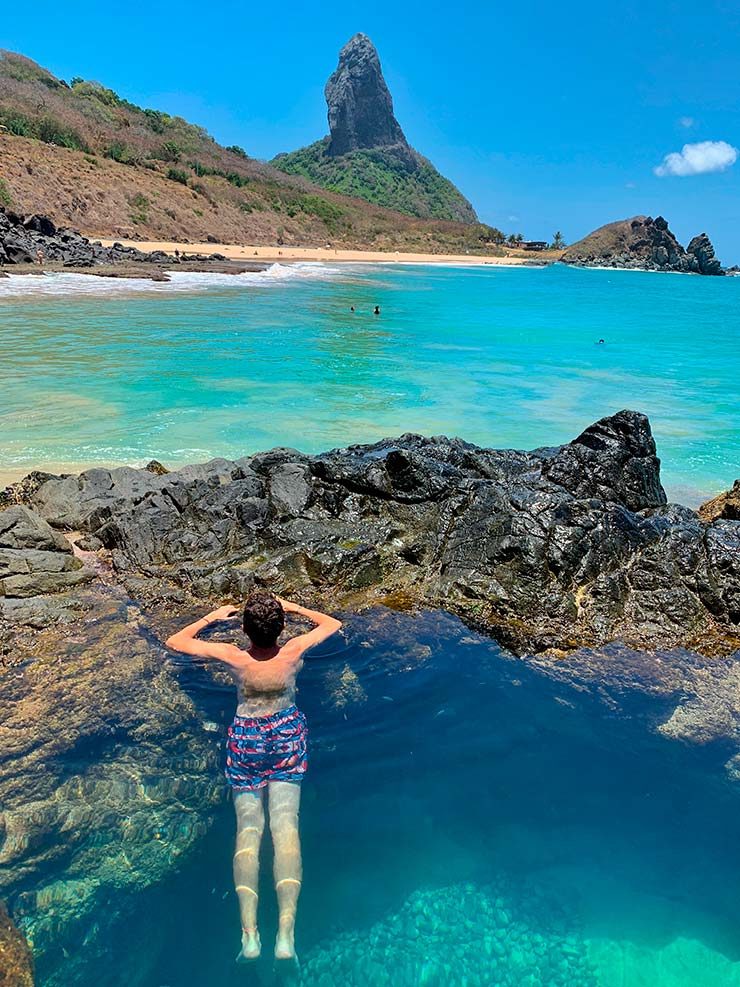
{"x": 107, "y": 780}
{"x": 16, "y": 965}
{"x": 550, "y": 549}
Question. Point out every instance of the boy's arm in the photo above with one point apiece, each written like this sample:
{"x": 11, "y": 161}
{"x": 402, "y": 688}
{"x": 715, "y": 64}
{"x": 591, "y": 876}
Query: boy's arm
{"x": 325, "y": 626}
{"x": 186, "y": 641}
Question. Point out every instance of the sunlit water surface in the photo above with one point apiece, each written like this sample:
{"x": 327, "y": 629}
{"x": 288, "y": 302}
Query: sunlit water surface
{"x": 105, "y": 371}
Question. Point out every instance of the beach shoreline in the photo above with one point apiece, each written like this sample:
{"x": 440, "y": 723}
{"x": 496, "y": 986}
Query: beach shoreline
{"x": 290, "y": 253}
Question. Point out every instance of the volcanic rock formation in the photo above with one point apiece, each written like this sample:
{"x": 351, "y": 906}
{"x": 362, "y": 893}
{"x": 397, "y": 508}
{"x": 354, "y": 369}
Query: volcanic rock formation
{"x": 367, "y": 154}
{"x": 700, "y": 247}
{"x": 643, "y": 243}
{"x": 359, "y": 101}
{"x": 27, "y": 240}
{"x": 550, "y": 549}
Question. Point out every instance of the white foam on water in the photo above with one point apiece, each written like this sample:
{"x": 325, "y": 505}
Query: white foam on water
{"x": 56, "y": 284}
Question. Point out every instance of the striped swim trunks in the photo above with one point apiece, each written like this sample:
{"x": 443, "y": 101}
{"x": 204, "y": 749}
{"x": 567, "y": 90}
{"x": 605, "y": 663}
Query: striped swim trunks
{"x": 261, "y": 749}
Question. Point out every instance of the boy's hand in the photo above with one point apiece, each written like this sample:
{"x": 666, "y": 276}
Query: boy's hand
{"x": 287, "y": 606}
{"x": 223, "y": 613}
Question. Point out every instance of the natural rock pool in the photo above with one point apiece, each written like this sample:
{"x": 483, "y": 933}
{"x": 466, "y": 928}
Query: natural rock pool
{"x": 469, "y": 818}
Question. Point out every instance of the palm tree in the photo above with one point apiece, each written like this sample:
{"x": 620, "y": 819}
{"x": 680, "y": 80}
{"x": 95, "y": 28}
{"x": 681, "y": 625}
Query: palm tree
{"x": 558, "y": 241}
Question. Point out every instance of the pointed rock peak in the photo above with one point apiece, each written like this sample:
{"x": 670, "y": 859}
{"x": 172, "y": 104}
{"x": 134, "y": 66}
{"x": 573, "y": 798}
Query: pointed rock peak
{"x": 359, "y": 101}
{"x": 701, "y": 248}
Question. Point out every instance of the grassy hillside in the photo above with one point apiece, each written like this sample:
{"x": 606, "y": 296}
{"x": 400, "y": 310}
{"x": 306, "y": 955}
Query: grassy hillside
{"x": 397, "y": 178}
{"x": 90, "y": 159}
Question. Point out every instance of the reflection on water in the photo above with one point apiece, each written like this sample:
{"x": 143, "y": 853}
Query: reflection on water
{"x": 466, "y": 821}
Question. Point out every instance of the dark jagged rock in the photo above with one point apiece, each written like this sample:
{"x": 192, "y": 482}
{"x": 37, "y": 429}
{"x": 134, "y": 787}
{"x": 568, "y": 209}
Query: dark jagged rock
{"x": 550, "y": 549}
{"x": 359, "y": 102}
{"x": 702, "y": 250}
{"x": 34, "y": 559}
{"x": 642, "y": 243}
{"x": 366, "y": 154}
{"x": 726, "y": 505}
{"x": 25, "y": 241}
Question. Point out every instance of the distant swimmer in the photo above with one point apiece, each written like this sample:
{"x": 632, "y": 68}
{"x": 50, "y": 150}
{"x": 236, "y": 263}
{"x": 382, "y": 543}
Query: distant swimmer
{"x": 600, "y": 342}
{"x": 351, "y": 308}
{"x": 265, "y": 750}
{"x": 376, "y": 310}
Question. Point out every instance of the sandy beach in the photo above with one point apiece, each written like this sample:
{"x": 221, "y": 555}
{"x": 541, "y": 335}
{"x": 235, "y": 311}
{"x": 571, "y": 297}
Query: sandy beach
{"x": 235, "y": 251}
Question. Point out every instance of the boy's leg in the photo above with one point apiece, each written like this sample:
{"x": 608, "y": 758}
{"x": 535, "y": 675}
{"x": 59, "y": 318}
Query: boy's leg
{"x": 250, "y": 824}
{"x": 284, "y": 801}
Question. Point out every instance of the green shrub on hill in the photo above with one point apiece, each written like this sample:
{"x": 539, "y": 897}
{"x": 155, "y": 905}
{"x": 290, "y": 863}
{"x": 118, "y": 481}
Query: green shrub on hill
{"x": 178, "y": 175}
{"x": 397, "y": 178}
{"x": 6, "y": 199}
{"x": 121, "y": 152}
{"x": 46, "y": 128}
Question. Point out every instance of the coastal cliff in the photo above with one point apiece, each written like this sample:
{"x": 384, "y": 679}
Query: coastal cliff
{"x": 643, "y": 243}
{"x": 367, "y": 154}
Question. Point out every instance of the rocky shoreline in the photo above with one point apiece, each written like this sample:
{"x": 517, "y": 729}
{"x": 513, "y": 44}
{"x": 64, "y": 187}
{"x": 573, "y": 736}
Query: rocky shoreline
{"x": 570, "y": 556}
{"x": 548, "y": 550}
{"x": 34, "y": 245}
{"x": 643, "y": 244}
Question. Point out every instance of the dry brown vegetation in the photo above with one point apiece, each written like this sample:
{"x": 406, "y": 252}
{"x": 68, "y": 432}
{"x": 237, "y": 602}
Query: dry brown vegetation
{"x": 89, "y": 159}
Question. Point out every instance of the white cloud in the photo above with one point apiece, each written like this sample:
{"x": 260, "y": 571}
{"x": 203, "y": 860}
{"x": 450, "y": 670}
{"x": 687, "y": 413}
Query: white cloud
{"x": 697, "y": 159}
{"x": 687, "y": 122}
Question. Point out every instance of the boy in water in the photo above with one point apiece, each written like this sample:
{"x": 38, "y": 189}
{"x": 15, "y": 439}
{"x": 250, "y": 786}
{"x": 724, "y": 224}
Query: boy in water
{"x": 266, "y": 750}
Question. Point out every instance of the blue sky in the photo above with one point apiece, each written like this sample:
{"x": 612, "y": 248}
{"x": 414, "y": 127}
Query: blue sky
{"x": 547, "y": 116}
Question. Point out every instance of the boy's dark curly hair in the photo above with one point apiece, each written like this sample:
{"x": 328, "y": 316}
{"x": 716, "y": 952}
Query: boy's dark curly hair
{"x": 264, "y": 618}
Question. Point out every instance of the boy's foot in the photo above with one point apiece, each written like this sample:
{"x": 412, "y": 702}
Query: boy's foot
{"x": 285, "y": 944}
{"x": 251, "y": 946}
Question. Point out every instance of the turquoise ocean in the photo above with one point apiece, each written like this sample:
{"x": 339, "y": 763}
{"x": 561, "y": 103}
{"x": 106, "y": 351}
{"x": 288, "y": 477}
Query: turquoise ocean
{"x": 469, "y": 820}
{"x": 101, "y": 371}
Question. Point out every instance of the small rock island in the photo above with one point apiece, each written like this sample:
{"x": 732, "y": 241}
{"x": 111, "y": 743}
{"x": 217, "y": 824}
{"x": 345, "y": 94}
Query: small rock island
{"x": 643, "y": 243}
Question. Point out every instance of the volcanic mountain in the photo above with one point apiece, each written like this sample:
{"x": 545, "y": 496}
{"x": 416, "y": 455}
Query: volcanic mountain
{"x": 89, "y": 159}
{"x": 366, "y": 153}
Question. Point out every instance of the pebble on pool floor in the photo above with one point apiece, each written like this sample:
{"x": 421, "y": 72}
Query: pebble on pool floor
{"x": 458, "y": 936}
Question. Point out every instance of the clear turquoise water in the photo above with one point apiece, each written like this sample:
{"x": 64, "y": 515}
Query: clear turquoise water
{"x": 466, "y": 822}
{"x": 501, "y": 357}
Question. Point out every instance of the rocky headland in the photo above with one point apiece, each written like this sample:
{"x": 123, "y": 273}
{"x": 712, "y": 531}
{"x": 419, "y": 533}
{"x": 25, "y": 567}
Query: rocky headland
{"x": 643, "y": 243}
{"x": 569, "y": 556}
{"x": 366, "y": 153}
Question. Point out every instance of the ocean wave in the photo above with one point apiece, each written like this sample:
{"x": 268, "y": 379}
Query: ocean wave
{"x": 69, "y": 283}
